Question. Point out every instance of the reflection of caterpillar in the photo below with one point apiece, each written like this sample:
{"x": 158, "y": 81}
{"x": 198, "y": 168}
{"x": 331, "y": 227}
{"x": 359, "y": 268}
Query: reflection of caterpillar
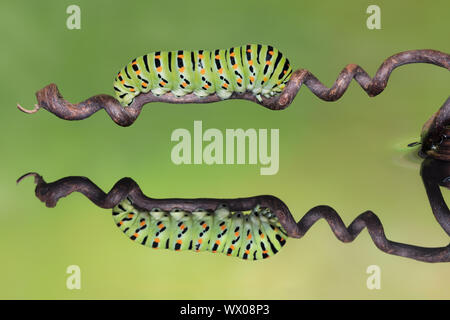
{"x": 138, "y": 212}
{"x": 256, "y": 235}
{"x": 260, "y": 69}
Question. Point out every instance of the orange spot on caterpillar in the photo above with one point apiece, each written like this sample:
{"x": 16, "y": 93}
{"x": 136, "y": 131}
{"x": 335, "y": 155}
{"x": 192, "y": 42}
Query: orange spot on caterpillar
{"x": 284, "y": 71}
{"x": 123, "y": 81}
{"x": 247, "y": 251}
{"x": 220, "y": 70}
{"x": 225, "y": 85}
{"x": 180, "y": 56}
{"x": 179, "y": 241}
{"x": 159, "y": 69}
{"x": 161, "y": 226}
{"x": 262, "y": 235}
{"x": 182, "y": 226}
{"x": 218, "y": 242}
{"x": 223, "y": 227}
{"x": 204, "y": 226}
{"x": 119, "y": 74}
{"x": 232, "y": 247}
{"x": 265, "y": 251}
{"x": 249, "y": 50}
{"x": 158, "y": 57}
{"x": 265, "y": 79}
{"x": 200, "y": 241}
{"x": 144, "y": 84}
{"x": 239, "y": 80}
{"x": 249, "y": 236}
{"x": 235, "y": 66}
{"x": 136, "y": 235}
{"x": 217, "y": 57}
{"x": 271, "y": 53}
{"x": 162, "y": 83}
{"x": 134, "y": 62}
{"x": 184, "y": 84}
{"x": 200, "y": 56}
{"x": 181, "y": 69}
{"x": 142, "y": 223}
{"x": 156, "y": 240}
{"x": 121, "y": 222}
{"x": 202, "y": 71}
{"x": 206, "y": 86}
{"x": 250, "y": 62}
{"x": 236, "y": 234}
{"x": 132, "y": 90}
{"x": 232, "y": 54}
{"x": 252, "y": 79}
{"x": 138, "y": 72}
{"x": 268, "y": 62}
{"x": 130, "y": 215}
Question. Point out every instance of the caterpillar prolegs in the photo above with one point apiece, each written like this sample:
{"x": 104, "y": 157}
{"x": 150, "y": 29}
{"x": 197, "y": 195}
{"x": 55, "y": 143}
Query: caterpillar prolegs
{"x": 260, "y": 69}
{"x": 254, "y": 235}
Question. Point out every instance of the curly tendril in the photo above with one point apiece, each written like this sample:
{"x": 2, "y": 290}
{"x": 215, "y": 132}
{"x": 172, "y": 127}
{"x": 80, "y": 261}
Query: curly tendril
{"x": 50, "y": 98}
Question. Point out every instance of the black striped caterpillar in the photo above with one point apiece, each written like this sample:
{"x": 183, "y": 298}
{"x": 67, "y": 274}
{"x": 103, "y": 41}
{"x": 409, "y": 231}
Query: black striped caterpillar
{"x": 260, "y": 69}
{"x": 255, "y": 235}
{"x": 249, "y": 228}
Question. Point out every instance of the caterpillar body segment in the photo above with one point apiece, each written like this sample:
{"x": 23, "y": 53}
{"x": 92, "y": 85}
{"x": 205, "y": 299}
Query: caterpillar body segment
{"x": 260, "y": 69}
{"x": 249, "y": 236}
{"x": 204, "y": 74}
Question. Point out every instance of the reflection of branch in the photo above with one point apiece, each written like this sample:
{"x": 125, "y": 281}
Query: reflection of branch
{"x": 50, "y": 193}
{"x": 50, "y": 99}
{"x": 436, "y": 173}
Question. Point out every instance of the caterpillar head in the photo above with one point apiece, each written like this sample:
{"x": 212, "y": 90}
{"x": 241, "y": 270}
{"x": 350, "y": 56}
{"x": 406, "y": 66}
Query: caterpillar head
{"x": 125, "y": 98}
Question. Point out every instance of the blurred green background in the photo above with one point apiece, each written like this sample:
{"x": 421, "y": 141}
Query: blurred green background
{"x": 348, "y": 154}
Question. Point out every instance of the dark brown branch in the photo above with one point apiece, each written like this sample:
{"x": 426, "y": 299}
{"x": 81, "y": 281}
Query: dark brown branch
{"x": 50, "y": 193}
{"x": 50, "y": 99}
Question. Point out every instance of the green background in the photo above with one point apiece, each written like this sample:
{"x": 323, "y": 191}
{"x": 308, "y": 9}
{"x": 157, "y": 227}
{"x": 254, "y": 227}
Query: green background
{"x": 348, "y": 154}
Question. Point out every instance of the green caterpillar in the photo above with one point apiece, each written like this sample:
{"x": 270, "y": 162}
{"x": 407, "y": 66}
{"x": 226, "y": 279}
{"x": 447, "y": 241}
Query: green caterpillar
{"x": 255, "y": 235}
{"x": 260, "y": 69}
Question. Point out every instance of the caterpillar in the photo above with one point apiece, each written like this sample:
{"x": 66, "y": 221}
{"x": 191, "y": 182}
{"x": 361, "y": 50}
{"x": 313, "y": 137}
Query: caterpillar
{"x": 250, "y": 228}
{"x": 253, "y": 236}
{"x": 260, "y": 69}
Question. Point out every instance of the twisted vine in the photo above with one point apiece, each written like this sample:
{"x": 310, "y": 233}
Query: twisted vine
{"x": 435, "y": 135}
{"x": 50, "y": 98}
{"x": 50, "y": 193}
